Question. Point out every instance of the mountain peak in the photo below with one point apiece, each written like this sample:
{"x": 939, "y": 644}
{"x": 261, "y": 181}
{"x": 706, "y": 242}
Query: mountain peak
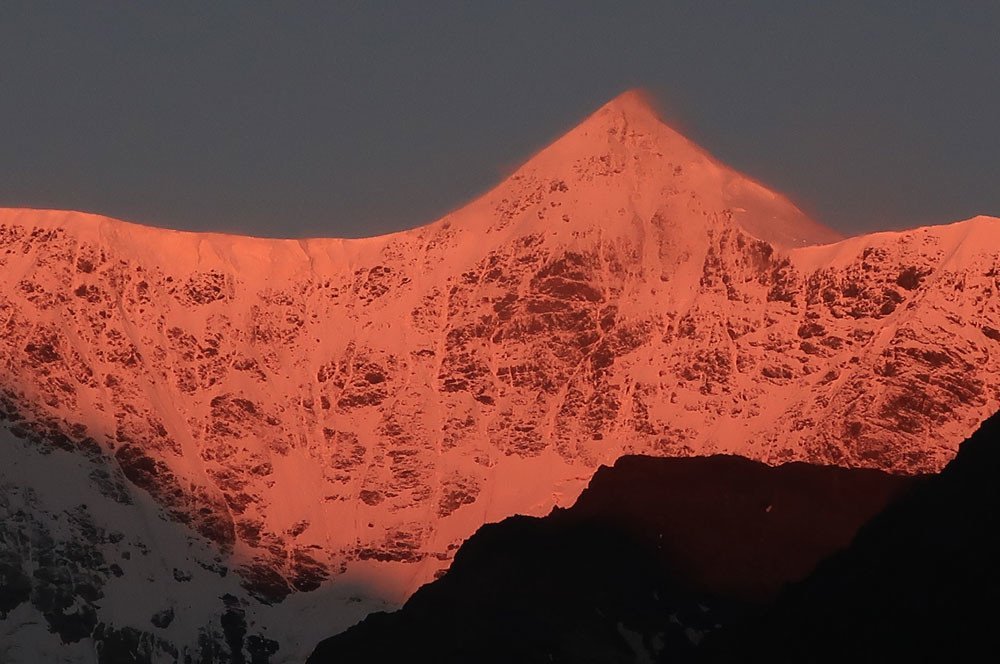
{"x": 624, "y": 157}
{"x": 634, "y": 111}
{"x": 633, "y": 103}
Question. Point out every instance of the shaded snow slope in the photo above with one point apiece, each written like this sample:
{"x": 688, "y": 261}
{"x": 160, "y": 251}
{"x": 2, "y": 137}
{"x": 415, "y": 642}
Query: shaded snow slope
{"x": 91, "y": 570}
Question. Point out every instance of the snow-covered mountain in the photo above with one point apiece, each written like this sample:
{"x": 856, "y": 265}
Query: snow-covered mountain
{"x": 341, "y": 414}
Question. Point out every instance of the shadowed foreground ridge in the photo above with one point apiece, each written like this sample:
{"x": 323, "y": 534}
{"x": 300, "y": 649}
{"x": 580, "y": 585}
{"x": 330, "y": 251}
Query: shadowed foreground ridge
{"x": 654, "y": 555}
{"x": 920, "y": 582}
{"x": 572, "y": 587}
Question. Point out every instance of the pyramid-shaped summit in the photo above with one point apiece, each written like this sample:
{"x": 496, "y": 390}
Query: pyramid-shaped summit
{"x": 632, "y": 107}
{"x": 634, "y": 101}
{"x": 624, "y": 157}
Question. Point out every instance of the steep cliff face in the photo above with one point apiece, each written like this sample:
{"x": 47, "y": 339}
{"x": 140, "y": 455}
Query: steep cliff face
{"x": 353, "y": 409}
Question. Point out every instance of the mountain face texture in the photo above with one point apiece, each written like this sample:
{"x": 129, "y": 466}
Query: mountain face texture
{"x": 654, "y": 556}
{"x": 338, "y": 416}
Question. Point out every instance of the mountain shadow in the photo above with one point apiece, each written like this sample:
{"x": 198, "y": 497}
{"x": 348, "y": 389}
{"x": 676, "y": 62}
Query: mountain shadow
{"x": 654, "y": 556}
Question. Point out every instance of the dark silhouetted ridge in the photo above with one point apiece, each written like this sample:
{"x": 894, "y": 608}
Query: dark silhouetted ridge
{"x": 653, "y": 556}
{"x": 921, "y": 582}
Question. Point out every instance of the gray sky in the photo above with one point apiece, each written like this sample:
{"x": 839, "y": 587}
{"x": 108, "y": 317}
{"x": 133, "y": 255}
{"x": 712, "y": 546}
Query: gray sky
{"x": 351, "y": 119}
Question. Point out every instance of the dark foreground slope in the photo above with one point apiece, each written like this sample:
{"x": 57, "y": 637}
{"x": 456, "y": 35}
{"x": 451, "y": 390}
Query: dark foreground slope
{"x": 920, "y": 583}
{"x": 655, "y": 555}
{"x": 700, "y": 560}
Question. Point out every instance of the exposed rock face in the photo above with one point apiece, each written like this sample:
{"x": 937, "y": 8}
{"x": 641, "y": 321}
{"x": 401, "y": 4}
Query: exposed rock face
{"x": 354, "y": 409}
{"x": 654, "y": 556}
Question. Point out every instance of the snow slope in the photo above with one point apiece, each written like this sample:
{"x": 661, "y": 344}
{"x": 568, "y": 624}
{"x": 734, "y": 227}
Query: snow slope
{"x": 333, "y": 411}
{"x": 82, "y": 553}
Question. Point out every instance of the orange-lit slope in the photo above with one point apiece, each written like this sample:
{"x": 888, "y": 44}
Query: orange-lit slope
{"x": 325, "y": 407}
{"x": 623, "y": 155}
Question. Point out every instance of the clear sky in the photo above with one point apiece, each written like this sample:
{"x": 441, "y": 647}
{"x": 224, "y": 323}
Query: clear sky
{"x": 351, "y": 119}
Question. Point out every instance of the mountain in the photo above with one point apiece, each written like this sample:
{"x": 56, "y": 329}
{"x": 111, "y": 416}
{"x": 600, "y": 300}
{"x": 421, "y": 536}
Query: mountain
{"x": 337, "y": 416}
{"x": 655, "y": 555}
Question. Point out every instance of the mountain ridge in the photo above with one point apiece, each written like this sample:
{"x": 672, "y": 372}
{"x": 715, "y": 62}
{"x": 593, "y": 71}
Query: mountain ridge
{"x": 719, "y": 559}
{"x": 114, "y": 227}
{"x": 633, "y": 127}
{"x": 654, "y": 556}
